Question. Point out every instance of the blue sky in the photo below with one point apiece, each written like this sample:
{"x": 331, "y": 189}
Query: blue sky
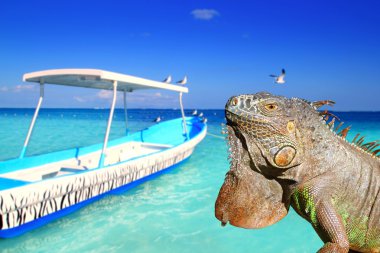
{"x": 330, "y": 49}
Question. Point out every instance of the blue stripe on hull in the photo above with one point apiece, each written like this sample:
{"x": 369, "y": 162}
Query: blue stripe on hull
{"x": 12, "y": 232}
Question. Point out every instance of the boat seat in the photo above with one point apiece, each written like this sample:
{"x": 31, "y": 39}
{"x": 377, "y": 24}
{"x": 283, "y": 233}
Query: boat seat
{"x": 73, "y": 169}
{"x": 64, "y": 170}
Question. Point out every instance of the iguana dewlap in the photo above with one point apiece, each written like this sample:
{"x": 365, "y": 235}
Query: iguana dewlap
{"x": 284, "y": 154}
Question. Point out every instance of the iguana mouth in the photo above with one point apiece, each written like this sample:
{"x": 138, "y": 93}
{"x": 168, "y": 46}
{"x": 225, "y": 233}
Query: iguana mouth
{"x": 233, "y": 118}
{"x": 255, "y": 127}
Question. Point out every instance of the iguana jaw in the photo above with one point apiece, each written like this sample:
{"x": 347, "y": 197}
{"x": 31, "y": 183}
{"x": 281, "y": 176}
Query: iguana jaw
{"x": 247, "y": 198}
{"x": 250, "y": 202}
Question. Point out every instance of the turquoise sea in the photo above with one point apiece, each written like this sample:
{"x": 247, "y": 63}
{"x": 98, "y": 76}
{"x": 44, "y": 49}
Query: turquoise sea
{"x": 171, "y": 213}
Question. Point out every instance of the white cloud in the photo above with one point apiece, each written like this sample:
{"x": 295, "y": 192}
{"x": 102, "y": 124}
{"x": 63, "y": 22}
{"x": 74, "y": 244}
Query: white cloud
{"x": 104, "y": 94}
{"x": 205, "y": 14}
{"x": 79, "y": 99}
{"x": 150, "y": 99}
{"x": 23, "y": 87}
{"x": 146, "y": 99}
{"x": 17, "y": 88}
{"x": 4, "y": 89}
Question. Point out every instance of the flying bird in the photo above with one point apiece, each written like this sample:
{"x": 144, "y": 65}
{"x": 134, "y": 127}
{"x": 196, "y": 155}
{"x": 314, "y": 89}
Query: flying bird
{"x": 204, "y": 120}
{"x": 200, "y": 115}
{"x": 158, "y": 119}
{"x": 168, "y": 79}
{"x": 280, "y": 79}
{"x": 195, "y": 112}
{"x": 183, "y": 81}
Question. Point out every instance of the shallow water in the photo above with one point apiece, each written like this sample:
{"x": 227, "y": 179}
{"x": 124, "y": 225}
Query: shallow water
{"x": 171, "y": 213}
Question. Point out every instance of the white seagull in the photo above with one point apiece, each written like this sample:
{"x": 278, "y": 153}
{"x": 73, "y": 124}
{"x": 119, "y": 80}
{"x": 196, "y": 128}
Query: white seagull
{"x": 183, "y": 81}
{"x": 158, "y": 119}
{"x": 168, "y": 79}
{"x": 200, "y": 115}
{"x": 195, "y": 112}
{"x": 280, "y": 79}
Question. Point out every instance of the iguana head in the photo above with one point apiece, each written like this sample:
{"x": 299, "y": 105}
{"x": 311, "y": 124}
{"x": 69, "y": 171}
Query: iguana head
{"x": 268, "y": 126}
{"x": 265, "y": 143}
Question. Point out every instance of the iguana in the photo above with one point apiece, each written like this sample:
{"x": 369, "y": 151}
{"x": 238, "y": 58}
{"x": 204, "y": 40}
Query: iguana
{"x": 284, "y": 153}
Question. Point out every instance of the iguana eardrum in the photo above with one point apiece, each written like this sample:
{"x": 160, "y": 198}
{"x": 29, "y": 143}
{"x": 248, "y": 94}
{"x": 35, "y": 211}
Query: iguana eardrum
{"x": 282, "y": 153}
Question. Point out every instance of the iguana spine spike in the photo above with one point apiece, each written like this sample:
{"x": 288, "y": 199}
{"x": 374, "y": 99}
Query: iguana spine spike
{"x": 337, "y": 128}
{"x": 318, "y": 104}
{"x": 344, "y": 132}
{"x": 368, "y": 145}
{"x": 375, "y": 152}
{"x": 356, "y": 136}
{"x": 325, "y": 112}
{"x": 372, "y": 148}
{"x": 360, "y": 141}
{"x": 331, "y": 123}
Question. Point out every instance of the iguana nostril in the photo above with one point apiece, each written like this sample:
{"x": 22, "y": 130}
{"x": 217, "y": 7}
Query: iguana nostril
{"x": 241, "y": 104}
{"x": 248, "y": 103}
{"x": 284, "y": 156}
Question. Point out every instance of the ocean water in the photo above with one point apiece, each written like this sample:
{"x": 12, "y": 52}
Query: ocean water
{"x": 171, "y": 213}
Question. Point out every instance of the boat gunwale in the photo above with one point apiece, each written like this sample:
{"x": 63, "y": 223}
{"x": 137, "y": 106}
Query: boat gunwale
{"x": 84, "y": 150}
{"x": 200, "y": 135}
{"x": 87, "y": 150}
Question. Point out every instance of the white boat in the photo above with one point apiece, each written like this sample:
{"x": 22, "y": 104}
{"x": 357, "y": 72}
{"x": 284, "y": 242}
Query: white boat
{"x": 37, "y": 189}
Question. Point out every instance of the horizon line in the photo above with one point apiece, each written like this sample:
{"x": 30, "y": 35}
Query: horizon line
{"x": 138, "y": 108}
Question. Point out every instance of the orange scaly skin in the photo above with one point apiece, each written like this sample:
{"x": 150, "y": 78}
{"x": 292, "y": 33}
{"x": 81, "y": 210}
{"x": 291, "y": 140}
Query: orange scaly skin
{"x": 284, "y": 154}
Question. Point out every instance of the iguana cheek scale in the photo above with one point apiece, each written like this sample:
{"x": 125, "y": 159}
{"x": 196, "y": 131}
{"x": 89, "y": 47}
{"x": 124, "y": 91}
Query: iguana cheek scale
{"x": 284, "y": 152}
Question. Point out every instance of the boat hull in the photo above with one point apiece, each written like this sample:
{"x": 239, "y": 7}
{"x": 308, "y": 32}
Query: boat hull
{"x": 32, "y": 205}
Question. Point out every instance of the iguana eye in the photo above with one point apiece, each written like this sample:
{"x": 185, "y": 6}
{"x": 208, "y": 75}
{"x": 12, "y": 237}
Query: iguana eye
{"x": 234, "y": 101}
{"x": 271, "y": 107}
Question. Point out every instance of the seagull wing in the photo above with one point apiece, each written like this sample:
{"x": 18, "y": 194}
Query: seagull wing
{"x": 272, "y": 75}
{"x": 183, "y": 81}
{"x": 168, "y": 79}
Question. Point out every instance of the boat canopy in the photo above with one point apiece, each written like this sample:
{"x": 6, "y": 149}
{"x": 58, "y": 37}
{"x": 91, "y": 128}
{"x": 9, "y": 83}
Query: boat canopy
{"x": 98, "y": 79}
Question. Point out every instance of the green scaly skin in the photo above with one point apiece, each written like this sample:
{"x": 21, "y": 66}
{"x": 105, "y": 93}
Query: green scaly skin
{"x": 283, "y": 154}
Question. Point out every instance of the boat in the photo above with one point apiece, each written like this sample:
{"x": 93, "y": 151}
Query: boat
{"x": 35, "y": 190}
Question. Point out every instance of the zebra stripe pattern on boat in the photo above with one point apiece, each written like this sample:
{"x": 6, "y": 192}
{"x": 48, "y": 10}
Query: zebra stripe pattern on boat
{"x": 27, "y": 203}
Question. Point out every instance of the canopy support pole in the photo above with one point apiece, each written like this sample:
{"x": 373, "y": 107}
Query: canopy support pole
{"x": 102, "y": 155}
{"x": 125, "y": 112}
{"x": 183, "y": 116}
{"x": 23, "y": 151}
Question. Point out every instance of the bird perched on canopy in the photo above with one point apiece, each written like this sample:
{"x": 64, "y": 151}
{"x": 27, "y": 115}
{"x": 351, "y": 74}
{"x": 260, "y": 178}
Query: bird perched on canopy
{"x": 168, "y": 79}
{"x": 183, "y": 81}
